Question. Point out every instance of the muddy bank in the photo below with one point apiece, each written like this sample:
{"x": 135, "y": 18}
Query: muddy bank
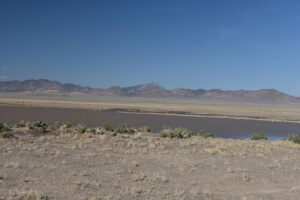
{"x": 228, "y": 128}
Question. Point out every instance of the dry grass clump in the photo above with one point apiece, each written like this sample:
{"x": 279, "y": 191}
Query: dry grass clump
{"x": 4, "y": 127}
{"x": 260, "y": 136}
{"x": 4, "y": 131}
{"x": 107, "y": 127}
{"x": 80, "y": 129}
{"x": 6, "y": 134}
{"x": 294, "y": 138}
{"x": 15, "y": 194}
{"x": 21, "y": 124}
{"x": 125, "y": 129}
{"x": 205, "y": 134}
{"x": 177, "y": 133}
{"x": 38, "y": 126}
{"x": 146, "y": 129}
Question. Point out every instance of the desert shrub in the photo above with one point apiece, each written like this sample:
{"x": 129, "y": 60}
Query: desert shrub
{"x": 28, "y": 124}
{"x": 52, "y": 127}
{"x": 166, "y": 132}
{"x": 125, "y": 129}
{"x": 107, "y": 127}
{"x": 58, "y": 124}
{"x": 205, "y": 134}
{"x": 40, "y": 125}
{"x": 294, "y": 138}
{"x": 21, "y": 124}
{"x": 5, "y": 134}
{"x": 147, "y": 129}
{"x": 4, "y": 127}
{"x": 93, "y": 130}
{"x": 182, "y": 133}
{"x": 80, "y": 129}
{"x": 260, "y": 136}
{"x": 68, "y": 125}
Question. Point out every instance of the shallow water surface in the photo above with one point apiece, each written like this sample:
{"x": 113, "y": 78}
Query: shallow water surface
{"x": 227, "y": 128}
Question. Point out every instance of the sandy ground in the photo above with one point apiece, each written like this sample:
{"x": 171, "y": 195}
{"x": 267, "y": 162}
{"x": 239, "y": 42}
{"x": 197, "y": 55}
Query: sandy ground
{"x": 277, "y": 112}
{"x": 145, "y": 166}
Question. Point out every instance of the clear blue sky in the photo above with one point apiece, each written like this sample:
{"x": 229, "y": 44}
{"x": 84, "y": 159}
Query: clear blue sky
{"x": 241, "y": 44}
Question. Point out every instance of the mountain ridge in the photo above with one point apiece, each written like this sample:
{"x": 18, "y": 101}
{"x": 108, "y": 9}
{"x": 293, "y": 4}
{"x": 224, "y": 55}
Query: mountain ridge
{"x": 152, "y": 89}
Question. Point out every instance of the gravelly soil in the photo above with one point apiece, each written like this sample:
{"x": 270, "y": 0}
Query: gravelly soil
{"x": 145, "y": 166}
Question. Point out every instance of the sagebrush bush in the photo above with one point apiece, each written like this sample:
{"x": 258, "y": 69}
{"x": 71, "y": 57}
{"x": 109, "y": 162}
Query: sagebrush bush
{"x": 21, "y": 124}
{"x": 93, "y": 130}
{"x": 205, "y": 134}
{"x": 146, "y": 129}
{"x": 260, "y": 136}
{"x": 166, "y": 132}
{"x": 58, "y": 124}
{"x": 4, "y": 127}
{"x": 294, "y": 138}
{"x": 125, "y": 128}
{"x": 177, "y": 133}
{"x": 80, "y": 129}
{"x": 40, "y": 125}
{"x": 107, "y": 127}
{"x": 182, "y": 133}
{"x": 5, "y": 134}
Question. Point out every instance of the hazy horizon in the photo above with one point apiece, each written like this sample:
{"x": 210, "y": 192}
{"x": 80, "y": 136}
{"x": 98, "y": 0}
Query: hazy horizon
{"x": 228, "y": 45}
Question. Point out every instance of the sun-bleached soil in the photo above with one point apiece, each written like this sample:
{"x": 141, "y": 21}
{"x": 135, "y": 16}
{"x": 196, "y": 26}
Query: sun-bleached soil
{"x": 145, "y": 166}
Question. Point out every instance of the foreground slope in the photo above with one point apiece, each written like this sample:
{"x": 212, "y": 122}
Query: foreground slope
{"x": 145, "y": 166}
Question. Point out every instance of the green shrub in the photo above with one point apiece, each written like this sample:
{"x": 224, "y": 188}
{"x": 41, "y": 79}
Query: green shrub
{"x": 166, "y": 132}
{"x": 125, "y": 129}
{"x": 58, "y": 124}
{"x": 4, "y": 127}
{"x": 21, "y": 124}
{"x": 107, "y": 127}
{"x": 80, "y": 129}
{"x": 52, "y": 127}
{"x": 260, "y": 136}
{"x": 182, "y": 133}
{"x": 40, "y": 125}
{"x": 205, "y": 134}
{"x": 294, "y": 138}
{"x": 68, "y": 125}
{"x": 93, "y": 130}
{"x": 6, "y": 135}
{"x": 148, "y": 129}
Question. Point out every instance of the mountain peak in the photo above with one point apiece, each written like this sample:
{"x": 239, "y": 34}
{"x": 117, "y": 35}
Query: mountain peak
{"x": 152, "y": 89}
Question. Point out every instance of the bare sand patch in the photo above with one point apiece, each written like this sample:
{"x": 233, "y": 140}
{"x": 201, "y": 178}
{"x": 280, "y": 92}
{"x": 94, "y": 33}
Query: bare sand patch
{"x": 145, "y": 166}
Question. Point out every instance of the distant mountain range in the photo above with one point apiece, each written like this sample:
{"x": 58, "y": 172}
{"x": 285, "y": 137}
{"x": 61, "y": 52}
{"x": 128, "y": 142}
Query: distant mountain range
{"x": 46, "y": 87}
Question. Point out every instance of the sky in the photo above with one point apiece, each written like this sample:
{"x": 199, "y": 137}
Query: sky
{"x": 232, "y": 44}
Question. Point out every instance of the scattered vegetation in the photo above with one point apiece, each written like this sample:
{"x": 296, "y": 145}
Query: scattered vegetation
{"x": 177, "y": 133}
{"x": 182, "y": 133}
{"x": 93, "y": 130}
{"x": 68, "y": 125}
{"x": 166, "y": 132}
{"x": 260, "y": 136}
{"x": 4, "y": 127}
{"x": 5, "y": 135}
{"x": 146, "y": 129}
{"x": 205, "y": 134}
{"x": 125, "y": 129}
{"x": 107, "y": 127}
{"x": 58, "y": 124}
{"x": 294, "y": 138}
{"x": 39, "y": 126}
{"x": 21, "y": 124}
{"x": 80, "y": 129}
